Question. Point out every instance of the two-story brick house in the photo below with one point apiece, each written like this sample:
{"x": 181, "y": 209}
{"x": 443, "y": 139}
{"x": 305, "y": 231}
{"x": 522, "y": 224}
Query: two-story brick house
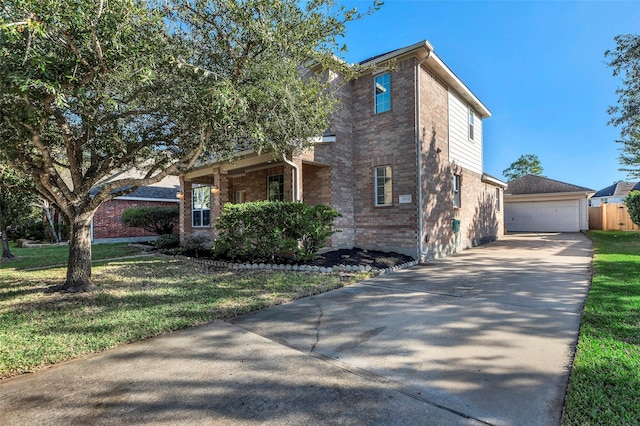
{"x": 402, "y": 163}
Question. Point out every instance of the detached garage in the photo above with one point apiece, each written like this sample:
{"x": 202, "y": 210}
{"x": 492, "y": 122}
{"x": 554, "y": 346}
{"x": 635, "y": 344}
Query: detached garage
{"x": 538, "y": 204}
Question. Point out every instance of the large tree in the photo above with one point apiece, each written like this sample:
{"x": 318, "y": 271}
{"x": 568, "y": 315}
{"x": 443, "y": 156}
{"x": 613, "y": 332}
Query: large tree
{"x": 625, "y": 61}
{"x": 528, "y": 164}
{"x": 90, "y": 88}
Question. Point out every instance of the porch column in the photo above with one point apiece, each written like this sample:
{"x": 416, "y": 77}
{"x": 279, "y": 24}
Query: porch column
{"x": 185, "y": 209}
{"x": 220, "y": 197}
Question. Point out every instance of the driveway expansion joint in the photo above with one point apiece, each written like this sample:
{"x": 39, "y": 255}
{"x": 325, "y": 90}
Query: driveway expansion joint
{"x": 387, "y": 383}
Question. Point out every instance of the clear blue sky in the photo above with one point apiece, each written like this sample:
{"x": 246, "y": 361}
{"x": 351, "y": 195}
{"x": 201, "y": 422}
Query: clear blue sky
{"x": 538, "y": 66}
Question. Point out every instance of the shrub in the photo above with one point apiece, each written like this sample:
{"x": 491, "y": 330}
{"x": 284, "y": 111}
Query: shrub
{"x": 263, "y": 230}
{"x": 159, "y": 220}
{"x": 168, "y": 241}
{"x": 632, "y": 201}
{"x": 196, "y": 245}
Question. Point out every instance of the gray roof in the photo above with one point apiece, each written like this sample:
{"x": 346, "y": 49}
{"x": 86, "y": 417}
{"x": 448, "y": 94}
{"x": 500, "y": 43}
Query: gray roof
{"x": 620, "y": 189}
{"x": 532, "y": 184}
{"x": 150, "y": 192}
{"x": 155, "y": 192}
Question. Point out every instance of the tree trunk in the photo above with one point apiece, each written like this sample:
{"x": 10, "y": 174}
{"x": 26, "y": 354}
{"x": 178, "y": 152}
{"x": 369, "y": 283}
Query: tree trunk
{"x": 79, "y": 265}
{"x": 47, "y": 211}
{"x": 6, "y": 254}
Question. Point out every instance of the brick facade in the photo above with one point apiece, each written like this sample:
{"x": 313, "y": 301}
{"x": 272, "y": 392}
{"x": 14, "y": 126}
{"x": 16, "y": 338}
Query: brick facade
{"x": 107, "y": 222}
{"x": 418, "y": 221}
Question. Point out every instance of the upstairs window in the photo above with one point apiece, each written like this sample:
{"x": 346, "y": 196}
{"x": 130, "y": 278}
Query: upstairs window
{"x": 383, "y": 191}
{"x": 382, "y": 90}
{"x": 456, "y": 191}
{"x": 275, "y": 188}
{"x": 201, "y": 206}
{"x": 472, "y": 117}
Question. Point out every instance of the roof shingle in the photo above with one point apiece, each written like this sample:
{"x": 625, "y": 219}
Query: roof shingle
{"x": 532, "y": 184}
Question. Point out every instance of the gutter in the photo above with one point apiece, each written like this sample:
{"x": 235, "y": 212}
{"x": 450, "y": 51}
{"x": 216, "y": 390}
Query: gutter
{"x": 421, "y": 251}
{"x": 298, "y": 191}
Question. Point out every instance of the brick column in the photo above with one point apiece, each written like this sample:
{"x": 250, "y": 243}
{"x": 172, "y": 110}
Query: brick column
{"x": 185, "y": 209}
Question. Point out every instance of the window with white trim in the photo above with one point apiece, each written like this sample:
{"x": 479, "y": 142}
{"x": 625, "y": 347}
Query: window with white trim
{"x": 456, "y": 191}
{"x": 497, "y": 199}
{"x": 241, "y": 196}
{"x": 472, "y": 117}
{"x": 383, "y": 186}
{"x": 201, "y": 206}
{"x": 275, "y": 187}
{"x": 382, "y": 91}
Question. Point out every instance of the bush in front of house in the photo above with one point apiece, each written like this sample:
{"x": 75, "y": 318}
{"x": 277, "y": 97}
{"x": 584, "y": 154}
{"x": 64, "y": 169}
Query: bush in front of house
{"x": 264, "y": 230}
{"x": 632, "y": 200}
{"x": 168, "y": 241}
{"x": 159, "y": 220}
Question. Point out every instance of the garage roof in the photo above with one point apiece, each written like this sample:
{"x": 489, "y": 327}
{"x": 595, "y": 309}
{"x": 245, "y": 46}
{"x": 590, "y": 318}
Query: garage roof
{"x": 532, "y": 184}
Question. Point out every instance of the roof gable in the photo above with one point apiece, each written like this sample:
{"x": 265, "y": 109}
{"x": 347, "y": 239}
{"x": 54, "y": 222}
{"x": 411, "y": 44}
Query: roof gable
{"x": 532, "y": 184}
{"x": 619, "y": 189}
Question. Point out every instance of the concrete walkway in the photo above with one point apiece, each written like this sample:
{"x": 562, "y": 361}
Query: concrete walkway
{"x": 484, "y": 337}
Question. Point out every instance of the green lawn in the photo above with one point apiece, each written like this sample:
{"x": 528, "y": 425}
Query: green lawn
{"x": 136, "y": 299}
{"x": 36, "y": 257}
{"x": 605, "y": 381}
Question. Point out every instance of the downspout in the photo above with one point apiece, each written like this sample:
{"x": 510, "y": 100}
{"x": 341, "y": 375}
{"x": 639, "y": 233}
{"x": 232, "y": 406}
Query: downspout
{"x": 296, "y": 168}
{"x": 421, "y": 251}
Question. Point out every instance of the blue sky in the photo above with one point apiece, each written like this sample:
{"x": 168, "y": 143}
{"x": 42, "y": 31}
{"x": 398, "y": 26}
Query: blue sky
{"x": 538, "y": 66}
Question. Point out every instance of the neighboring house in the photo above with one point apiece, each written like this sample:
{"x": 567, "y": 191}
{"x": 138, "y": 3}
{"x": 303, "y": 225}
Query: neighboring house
{"x": 107, "y": 224}
{"x": 615, "y": 193}
{"x": 402, "y": 163}
{"x": 539, "y": 204}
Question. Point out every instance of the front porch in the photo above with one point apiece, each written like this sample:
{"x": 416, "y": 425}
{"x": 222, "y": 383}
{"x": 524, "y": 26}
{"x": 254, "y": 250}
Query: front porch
{"x": 249, "y": 177}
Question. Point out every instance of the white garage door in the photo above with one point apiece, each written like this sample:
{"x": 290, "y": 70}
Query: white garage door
{"x": 542, "y": 216}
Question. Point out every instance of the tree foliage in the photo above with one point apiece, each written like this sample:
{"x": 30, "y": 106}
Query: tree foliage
{"x": 625, "y": 62}
{"x": 16, "y": 204}
{"x": 92, "y": 88}
{"x": 632, "y": 201}
{"x": 159, "y": 220}
{"x": 528, "y": 164}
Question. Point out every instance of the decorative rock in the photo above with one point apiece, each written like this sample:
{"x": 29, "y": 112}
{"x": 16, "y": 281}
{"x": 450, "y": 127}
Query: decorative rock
{"x": 367, "y": 268}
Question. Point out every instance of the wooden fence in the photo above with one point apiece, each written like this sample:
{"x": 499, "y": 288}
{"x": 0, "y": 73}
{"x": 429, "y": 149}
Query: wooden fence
{"x": 611, "y": 217}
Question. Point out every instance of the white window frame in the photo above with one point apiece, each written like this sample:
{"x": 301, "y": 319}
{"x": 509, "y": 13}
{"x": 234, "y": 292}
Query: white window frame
{"x": 497, "y": 199}
{"x": 457, "y": 197}
{"x": 385, "y": 92}
{"x": 280, "y": 194}
{"x": 472, "y": 116}
{"x": 383, "y": 175}
{"x": 200, "y": 205}
{"x": 241, "y": 196}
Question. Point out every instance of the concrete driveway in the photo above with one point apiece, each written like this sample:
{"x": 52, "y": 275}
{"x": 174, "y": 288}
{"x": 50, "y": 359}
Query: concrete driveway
{"x": 483, "y": 337}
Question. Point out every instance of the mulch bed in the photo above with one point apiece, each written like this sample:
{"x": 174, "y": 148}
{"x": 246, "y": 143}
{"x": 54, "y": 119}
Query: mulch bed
{"x": 347, "y": 257}
{"x": 375, "y": 259}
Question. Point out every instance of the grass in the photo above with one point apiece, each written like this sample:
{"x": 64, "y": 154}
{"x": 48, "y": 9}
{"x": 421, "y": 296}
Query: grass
{"x": 37, "y": 257}
{"x": 137, "y": 299}
{"x": 605, "y": 380}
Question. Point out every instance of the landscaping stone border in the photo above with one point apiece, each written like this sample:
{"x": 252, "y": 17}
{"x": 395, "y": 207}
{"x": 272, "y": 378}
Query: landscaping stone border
{"x": 298, "y": 268}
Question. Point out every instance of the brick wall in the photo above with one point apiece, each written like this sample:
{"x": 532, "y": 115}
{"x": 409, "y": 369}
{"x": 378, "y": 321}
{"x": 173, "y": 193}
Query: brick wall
{"x": 107, "y": 222}
{"x": 385, "y": 139}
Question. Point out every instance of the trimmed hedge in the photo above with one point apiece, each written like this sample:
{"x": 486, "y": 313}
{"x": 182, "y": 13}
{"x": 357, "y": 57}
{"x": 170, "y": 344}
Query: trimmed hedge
{"x": 159, "y": 220}
{"x": 263, "y": 230}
